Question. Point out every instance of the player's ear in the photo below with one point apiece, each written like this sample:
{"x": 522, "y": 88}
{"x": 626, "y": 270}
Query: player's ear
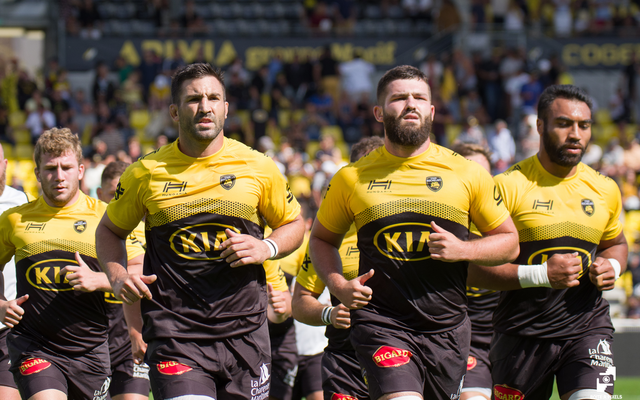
{"x": 99, "y": 191}
{"x": 173, "y": 112}
{"x": 377, "y": 113}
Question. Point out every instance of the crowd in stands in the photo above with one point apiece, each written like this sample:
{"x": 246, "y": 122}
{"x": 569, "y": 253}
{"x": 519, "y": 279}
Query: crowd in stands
{"x": 306, "y": 113}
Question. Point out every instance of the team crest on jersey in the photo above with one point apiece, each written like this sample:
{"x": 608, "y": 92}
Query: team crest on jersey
{"x": 33, "y": 366}
{"x": 434, "y": 183}
{"x": 588, "y": 207}
{"x": 387, "y": 357}
{"x": 172, "y": 368}
{"x": 471, "y": 363}
{"x": 80, "y": 226}
{"x": 228, "y": 181}
{"x": 504, "y": 392}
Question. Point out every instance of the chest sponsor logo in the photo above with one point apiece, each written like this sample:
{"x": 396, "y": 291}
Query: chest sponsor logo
{"x": 35, "y": 227}
{"x": 33, "y": 366}
{"x": 119, "y": 191}
{"x": 111, "y": 298}
{"x": 588, "y": 206}
{"x": 471, "y": 363}
{"x": 504, "y": 392}
{"x": 172, "y": 368}
{"x": 46, "y": 275}
{"x": 80, "y": 226}
{"x": 389, "y": 357}
{"x": 228, "y": 181}
{"x": 200, "y": 242}
{"x": 172, "y": 189}
{"x": 543, "y": 205}
{"x": 543, "y": 255}
{"x": 376, "y": 186}
{"x": 340, "y": 396}
{"x": 434, "y": 183}
{"x": 404, "y": 242}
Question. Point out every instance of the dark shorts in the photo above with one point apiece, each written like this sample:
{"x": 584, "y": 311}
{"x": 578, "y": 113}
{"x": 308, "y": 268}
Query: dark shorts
{"x": 527, "y": 366}
{"x": 309, "y": 378}
{"x": 128, "y": 377}
{"x": 6, "y": 377}
{"x": 433, "y": 365}
{"x": 342, "y": 377}
{"x": 478, "y": 368}
{"x": 235, "y": 368}
{"x": 80, "y": 377}
{"x": 284, "y": 365}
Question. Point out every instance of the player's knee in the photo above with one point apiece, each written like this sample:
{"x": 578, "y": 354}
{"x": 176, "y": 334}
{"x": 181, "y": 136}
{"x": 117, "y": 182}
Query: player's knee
{"x": 589, "y": 394}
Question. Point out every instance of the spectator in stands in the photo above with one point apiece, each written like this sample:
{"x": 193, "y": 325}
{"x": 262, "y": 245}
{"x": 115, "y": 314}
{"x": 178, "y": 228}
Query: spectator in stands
{"x": 132, "y": 89}
{"x": 171, "y": 64}
{"x": 39, "y": 121}
{"x": 26, "y": 87}
{"x": 448, "y": 18}
{"x": 103, "y": 88}
{"x": 149, "y": 67}
{"x": 433, "y": 68}
{"x": 357, "y": 76}
{"x": 88, "y": 16}
{"x": 514, "y": 19}
{"x": 324, "y": 104}
{"x": 299, "y": 75}
{"x": 530, "y": 92}
{"x": 345, "y": 16}
{"x": 499, "y": 9}
{"x": 312, "y": 122}
{"x": 327, "y": 74}
{"x": 112, "y": 137}
{"x": 36, "y": 100}
{"x": 85, "y": 122}
{"x": 503, "y": 147}
{"x": 6, "y": 133}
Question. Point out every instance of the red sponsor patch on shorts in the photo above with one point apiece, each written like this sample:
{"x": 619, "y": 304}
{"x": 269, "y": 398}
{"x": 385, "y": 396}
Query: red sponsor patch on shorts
{"x": 33, "y": 366}
{"x": 471, "y": 363}
{"x": 387, "y": 356}
{"x": 504, "y": 392}
{"x": 173, "y": 368}
{"x": 340, "y": 396}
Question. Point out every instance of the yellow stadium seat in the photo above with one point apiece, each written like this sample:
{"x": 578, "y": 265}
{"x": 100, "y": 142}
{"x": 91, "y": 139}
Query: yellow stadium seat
{"x": 333, "y": 130}
{"x": 8, "y": 150}
{"x": 139, "y": 119}
{"x": 24, "y": 152}
{"x": 603, "y": 116}
{"x": 284, "y": 118}
{"x": 22, "y": 136}
{"x": 452, "y": 131}
{"x": 17, "y": 118}
{"x": 297, "y": 115}
{"x": 312, "y": 149}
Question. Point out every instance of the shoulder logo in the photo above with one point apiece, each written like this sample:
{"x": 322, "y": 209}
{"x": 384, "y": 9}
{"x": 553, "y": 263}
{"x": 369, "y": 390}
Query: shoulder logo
{"x": 119, "y": 191}
{"x": 434, "y": 183}
{"x": 588, "y": 206}
{"x": 80, "y": 226}
{"x": 228, "y": 181}
{"x": 34, "y": 226}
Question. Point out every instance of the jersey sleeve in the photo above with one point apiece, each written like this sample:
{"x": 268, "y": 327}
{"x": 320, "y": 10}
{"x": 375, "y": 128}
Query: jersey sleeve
{"x": 127, "y": 207}
{"x": 7, "y": 248}
{"x": 277, "y": 204}
{"x": 487, "y": 210}
{"x": 335, "y": 213}
{"x": 614, "y": 202}
{"x": 307, "y": 276}
{"x": 275, "y": 276}
{"x": 134, "y": 245}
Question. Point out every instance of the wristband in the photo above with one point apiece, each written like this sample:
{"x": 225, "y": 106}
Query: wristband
{"x": 616, "y": 267}
{"x": 533, "y": 275}
{"x": 273, "y": 247}
{"x": 326, "y": 315}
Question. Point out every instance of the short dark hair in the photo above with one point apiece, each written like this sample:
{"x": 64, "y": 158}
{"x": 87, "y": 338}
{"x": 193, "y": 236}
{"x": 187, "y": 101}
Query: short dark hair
{"x": 553, "y": 92}
{"x": 113, "y": 170}
{"x": 397, "y": 73}
{"x": 194, "y": 71}
{"x": 365, "y": 146}
{"x": 469, "y": 149}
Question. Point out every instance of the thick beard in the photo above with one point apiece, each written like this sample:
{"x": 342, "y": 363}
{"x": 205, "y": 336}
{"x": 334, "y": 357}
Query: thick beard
{"x": 556, "y": 153}
{"x": 201, "y": 136}
{"x": 407, "y": 136}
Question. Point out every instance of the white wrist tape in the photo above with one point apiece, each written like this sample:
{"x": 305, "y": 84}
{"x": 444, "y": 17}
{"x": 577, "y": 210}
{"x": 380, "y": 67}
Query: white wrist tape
{"x": 272, "y": 246}
{"x": 326, "y": 315}
{"x": 533, "y": 275}
{"x": 616, "y": 266}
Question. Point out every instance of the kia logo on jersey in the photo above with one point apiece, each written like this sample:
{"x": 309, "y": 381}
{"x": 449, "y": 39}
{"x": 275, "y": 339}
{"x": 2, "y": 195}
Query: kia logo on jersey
{"x": 387, "y": 356}
{"x": 406, "y": 241}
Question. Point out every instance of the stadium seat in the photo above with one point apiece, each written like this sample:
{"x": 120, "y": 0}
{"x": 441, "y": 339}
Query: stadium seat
{"x": 139, "y": 120}
{"x": 603, "y": 116}
{"x": 452, "y": 131}
{"x": 274, "y": 11}
{"x": 23, "y": 152}
{"x": 236, "y": 10}
{"x": 17, "y": 118}
{"x": 334, "y": 130}
{"x": 312, "y": 149}
{"x": 22, "y": 136}
{"x": 284, "y": 118}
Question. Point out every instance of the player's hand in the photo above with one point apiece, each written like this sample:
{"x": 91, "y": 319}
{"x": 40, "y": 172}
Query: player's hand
{"x": 10, "y": 311}
{"x": 341, "y": 317}
{"x": 602, "y": 274}
{"x": 133, "y": 287}
{"x": 81, "y": 277}
{"x": 444, "y": 245}
{"x": 277, "y": 301}
{"x": 138, "y": 347}
{"x": 242, "y": 249}
{"x": 354, "y": 294}
{"x": 563, "y": 270}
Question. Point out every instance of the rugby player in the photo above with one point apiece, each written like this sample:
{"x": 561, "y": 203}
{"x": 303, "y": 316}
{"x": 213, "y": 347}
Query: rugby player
{"x": 412, "y": 202}
{"x": 341, "y": 374}
{"x": 58, "y": 341}
{"x": 9, "y": 197}
{"x": 206, "y": 199}
{"x": 552, "y": 320}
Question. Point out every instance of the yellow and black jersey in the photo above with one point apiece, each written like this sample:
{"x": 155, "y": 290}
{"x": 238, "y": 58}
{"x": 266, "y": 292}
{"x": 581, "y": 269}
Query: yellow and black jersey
{"x": 44, "y": 240}
{"x": 309, "y": 279}
{"x": 393, "y": 202}
{"x": 189, "y": 203}
{"x": 555, "y": 215}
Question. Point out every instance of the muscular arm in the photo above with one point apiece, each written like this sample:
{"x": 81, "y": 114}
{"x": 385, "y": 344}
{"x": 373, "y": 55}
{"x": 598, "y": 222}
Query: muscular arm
{"x": 601, "y": 272}
{"x": 288, "y": 237}
{"x": 307, "y": 309}
{"x": 133, "y": 316}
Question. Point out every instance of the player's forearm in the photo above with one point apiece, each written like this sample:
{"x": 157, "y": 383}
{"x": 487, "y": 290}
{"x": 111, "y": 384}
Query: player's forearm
{"x": 496, "y": 249}
{"x": 102, "y": 282}
{"x": 501, "y": 277}
{"x": 618, "y": 249}
{"x": 133, "y": 317}
{"x": 288, "y": 237}
{"x": 280, "y": 317}
{"x": 326, "y": 260}
{"x": 112, "y": 254}
{"x": 306, "y": 308}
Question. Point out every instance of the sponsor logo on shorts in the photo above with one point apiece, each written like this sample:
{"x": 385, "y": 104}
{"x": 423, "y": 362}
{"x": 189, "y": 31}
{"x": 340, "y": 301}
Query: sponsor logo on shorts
{"x": 340, "y": 396}
{"x": 104, "y": 389}
{"x": 456, "y": 395}
{"x": 260, "y": 387}
{"x": 33, "y": 366}
{"x": 387, "y": 356}
{"x": 290, "y": 377}
{"x": 605, "y": 379}
{"x": 173, "y": 368}
{"x": 601, "y": 355}
{"x": 471, "y": 363}
{"x": 141, "y": 371}
{"x": 504, "y": 392}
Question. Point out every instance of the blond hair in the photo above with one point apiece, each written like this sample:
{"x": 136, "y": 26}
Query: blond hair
{"x": 56, "y": 142}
